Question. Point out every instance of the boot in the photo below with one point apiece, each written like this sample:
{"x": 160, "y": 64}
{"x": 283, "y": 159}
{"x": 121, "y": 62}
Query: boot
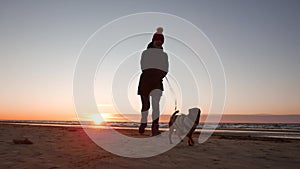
{"x": 155, "y": 127}
{"x": 142, "y": 128}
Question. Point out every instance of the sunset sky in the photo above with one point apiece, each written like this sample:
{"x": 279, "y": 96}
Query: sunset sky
{"x": 257, "y": 41}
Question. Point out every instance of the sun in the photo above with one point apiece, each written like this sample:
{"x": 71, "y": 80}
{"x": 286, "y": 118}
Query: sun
{"x": 97, "y": 119}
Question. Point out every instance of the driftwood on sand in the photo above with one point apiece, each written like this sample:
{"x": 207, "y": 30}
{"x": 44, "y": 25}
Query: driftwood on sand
{"x": 22, "y": 141}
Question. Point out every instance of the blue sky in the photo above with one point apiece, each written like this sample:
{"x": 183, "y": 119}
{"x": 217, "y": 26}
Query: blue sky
{"x": 258, "y": 43}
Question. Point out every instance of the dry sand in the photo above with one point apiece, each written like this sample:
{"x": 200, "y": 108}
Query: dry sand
{"x": 63, "y": 147}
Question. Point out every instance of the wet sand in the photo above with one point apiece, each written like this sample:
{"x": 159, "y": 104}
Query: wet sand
{"x": 65, "y": 147}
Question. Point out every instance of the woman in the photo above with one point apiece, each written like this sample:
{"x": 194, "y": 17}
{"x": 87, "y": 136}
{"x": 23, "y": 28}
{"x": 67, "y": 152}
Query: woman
{"x": 154, "y": 65}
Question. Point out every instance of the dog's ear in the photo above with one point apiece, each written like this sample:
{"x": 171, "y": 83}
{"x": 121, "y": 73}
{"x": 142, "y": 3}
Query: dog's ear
{"x": 195, "y": 109}
{"x": 194, "y": 113}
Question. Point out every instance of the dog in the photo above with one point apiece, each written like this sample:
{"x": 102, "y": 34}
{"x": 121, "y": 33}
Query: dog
{"x": 183, "y": 124}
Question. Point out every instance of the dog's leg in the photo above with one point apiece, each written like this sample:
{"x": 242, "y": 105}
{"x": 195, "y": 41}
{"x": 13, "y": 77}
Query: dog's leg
{"x": 190, "y": 136}
{"x": 181, "y": 140}
{"x": 177, "y": 132}
{"x": 191, "y": 141}
{"x": 170, "y": 134}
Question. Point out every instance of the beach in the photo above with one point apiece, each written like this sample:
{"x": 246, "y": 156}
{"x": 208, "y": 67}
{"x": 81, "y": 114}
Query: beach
{"x": 70, "y": 147}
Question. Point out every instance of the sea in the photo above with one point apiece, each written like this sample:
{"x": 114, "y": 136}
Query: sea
{"x": 265, "y": 130}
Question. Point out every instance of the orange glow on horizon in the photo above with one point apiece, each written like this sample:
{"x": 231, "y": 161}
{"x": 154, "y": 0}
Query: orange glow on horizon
{"x": 115, "y": 117}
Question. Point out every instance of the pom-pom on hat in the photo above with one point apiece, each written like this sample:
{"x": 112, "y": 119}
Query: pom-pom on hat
{"x": 158, "y": 35}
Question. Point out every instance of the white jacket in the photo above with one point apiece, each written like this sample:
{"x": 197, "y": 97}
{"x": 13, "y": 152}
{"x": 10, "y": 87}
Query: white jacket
{"x": 154, "y": 58}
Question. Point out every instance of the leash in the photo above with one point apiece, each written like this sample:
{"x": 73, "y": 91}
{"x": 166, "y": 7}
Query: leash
{"x": 173, "y": 92}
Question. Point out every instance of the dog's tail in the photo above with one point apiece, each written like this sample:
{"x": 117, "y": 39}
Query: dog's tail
{"x": 172, "y": 118}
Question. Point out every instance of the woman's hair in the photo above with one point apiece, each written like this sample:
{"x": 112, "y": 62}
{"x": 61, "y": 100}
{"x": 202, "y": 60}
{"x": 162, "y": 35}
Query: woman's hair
{"x": 150, "y": 45}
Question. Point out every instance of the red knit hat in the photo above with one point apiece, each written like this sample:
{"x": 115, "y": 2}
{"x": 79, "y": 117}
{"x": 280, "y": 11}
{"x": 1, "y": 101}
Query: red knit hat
{"x": 158, "y": 35}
